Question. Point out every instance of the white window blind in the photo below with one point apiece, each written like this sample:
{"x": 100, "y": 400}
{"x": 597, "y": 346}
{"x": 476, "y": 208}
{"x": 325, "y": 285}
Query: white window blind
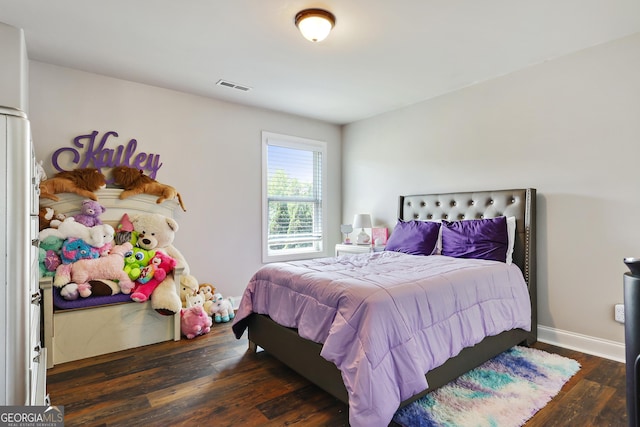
{"x": 293, "y": 197}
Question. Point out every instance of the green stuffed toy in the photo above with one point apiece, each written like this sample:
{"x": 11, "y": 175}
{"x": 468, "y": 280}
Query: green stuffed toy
{"x": 135, "y": 260}
{"x": 49, "y": 255}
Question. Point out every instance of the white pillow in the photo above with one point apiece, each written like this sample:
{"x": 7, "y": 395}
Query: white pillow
{"x": 438, "y": 249}
{"x": 511, "y": 238}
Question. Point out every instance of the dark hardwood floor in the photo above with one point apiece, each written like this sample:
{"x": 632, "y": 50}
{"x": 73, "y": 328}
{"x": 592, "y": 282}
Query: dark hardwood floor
{"x": 213, "y": 380}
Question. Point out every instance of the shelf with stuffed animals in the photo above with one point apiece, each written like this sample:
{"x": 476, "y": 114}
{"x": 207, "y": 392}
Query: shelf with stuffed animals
{"x": 101, "y": 293}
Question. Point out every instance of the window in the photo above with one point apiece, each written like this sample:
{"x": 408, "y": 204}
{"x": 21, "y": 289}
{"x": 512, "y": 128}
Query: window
{"x": 293, "y": 175}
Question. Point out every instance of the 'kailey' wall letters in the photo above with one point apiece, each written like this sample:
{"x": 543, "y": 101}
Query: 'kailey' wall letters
{"x": 98, "y": 156}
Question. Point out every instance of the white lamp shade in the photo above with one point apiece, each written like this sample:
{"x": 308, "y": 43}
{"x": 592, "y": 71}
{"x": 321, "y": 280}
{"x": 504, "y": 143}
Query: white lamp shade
{"x": 362, "y": 221}
{"x": 314, "y": 28}
{"x": 315, "y": 24}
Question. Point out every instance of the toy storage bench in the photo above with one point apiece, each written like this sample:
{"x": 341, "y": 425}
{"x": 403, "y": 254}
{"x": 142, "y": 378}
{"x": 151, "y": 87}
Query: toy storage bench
{"x": 73, "y": 334}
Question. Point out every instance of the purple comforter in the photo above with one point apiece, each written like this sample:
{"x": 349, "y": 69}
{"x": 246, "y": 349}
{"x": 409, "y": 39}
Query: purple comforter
{"x": 385, "y": 319}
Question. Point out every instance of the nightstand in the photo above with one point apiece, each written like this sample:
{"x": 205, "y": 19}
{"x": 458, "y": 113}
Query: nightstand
{"x": 342, "y": 249}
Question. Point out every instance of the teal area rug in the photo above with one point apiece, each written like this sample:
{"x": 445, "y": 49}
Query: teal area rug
{"x": 504, "y": 392}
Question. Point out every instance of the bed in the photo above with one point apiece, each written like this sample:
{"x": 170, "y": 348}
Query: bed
{"x": 311, "y": 351}
{"x": 98, "y": 325}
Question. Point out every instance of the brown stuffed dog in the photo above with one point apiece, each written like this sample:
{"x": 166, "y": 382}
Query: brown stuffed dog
{"x": 82, "y": 182}
{"x": 134, "y": 181}
{"x": 47, "y": 215}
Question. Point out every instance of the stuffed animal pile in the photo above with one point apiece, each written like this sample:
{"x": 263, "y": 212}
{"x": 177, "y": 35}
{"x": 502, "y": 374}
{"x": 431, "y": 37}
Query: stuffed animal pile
{"x": 63, "y": 244}
{"x": 145, "y": 270}
{"x": 110, "y": 266}
{"x": 86, "y": 257}
{"x": 203, "y": 307}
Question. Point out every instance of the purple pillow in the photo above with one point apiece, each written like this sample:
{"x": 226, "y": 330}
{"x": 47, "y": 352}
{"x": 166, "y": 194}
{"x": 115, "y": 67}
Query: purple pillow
{"x": 414, "y": 237}
{"x": 477, "y": 238}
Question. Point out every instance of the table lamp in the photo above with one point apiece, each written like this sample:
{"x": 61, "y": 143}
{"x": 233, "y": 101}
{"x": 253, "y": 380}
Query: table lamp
{"x": 362, "y": 221}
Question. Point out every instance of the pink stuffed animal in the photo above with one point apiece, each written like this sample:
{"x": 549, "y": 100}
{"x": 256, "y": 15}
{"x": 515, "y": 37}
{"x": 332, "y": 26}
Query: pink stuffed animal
{"x": 152, "y": 275}
{"x": 194, "y": 321}
{"x": 107, "y": 267}
{"x": 90, "y": 212}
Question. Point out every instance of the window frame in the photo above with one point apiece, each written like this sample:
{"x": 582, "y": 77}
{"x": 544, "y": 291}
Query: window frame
{"x": 299, "y": 143}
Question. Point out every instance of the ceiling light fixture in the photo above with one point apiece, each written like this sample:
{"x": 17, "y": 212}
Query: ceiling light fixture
{"x": 315, "y": 24}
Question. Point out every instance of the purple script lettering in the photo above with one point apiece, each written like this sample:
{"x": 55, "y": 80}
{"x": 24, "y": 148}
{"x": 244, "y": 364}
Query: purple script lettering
{"x": 98, "y": 156}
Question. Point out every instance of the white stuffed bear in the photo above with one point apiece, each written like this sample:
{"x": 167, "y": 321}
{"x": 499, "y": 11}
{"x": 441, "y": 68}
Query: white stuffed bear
{"x": 156, "y": 232}
{"x": 96, "y": 236}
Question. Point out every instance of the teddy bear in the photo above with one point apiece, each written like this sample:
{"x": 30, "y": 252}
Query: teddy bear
{"x": 135, "y": 260}
{"x": 90, "y": 212}
{"x": 156, "y": 232}
{"x": 222, "y": 309}
{"x": 96, "y": 236}
{"x": 188, "y": 287}
{"x": 194, "y": 321}
{"x": 106, "y": 267}
{"x": 152, "y": 275}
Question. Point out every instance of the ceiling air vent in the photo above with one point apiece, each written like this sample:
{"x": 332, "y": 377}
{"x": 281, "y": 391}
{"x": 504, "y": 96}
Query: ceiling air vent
{"x": 232, "y": 85}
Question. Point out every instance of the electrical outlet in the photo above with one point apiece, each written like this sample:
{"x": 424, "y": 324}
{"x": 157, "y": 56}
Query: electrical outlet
{"x": 619, "y": 313}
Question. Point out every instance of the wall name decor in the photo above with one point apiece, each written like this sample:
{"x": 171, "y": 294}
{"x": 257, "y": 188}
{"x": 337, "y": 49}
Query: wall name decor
{"x": 98, "y": 156}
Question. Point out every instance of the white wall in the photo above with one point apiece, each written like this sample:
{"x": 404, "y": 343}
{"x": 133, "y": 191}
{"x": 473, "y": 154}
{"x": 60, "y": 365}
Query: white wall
{"x": 210, "y": 150}
{"x": 569, "y": 127}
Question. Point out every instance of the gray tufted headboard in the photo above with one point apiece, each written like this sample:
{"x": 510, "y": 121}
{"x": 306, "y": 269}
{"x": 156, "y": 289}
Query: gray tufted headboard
{"x": 520, "y": 203}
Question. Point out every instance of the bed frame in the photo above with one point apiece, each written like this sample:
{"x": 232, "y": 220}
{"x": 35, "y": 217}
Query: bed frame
{"x": 303, "y": 355}
{"x": 74, "y": 334}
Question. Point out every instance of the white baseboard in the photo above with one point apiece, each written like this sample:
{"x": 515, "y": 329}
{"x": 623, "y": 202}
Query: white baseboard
{"x": 236, "y": 301}
{"x": 583, "y": 343}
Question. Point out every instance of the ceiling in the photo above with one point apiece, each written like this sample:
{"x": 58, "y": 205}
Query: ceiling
{"x": 382, "y": 54}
